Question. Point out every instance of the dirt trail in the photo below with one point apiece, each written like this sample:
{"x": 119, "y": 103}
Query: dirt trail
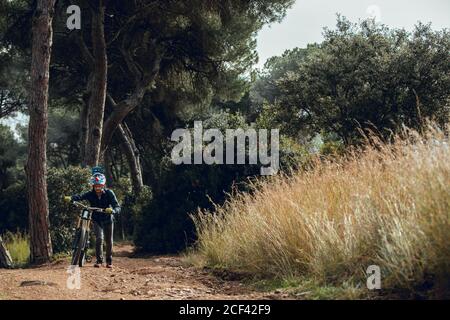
{"x": 157, "y": 277}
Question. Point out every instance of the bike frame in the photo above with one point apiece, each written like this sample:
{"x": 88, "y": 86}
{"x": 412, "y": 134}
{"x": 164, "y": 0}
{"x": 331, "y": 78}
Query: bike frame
{"x": 86, "y": 214}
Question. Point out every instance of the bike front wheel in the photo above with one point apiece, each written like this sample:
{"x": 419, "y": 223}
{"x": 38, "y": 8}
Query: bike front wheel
{"x": 78, "y": 256}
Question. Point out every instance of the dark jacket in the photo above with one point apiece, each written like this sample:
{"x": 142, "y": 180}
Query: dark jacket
{"x": 106, "y": 200}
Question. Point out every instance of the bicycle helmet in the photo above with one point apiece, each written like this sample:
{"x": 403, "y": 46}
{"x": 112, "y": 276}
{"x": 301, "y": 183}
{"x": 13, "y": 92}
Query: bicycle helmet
{"x": 98, "y": 179}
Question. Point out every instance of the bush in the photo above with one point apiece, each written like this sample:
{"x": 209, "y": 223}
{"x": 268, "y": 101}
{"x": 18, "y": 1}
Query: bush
{"x": 164, "y": 225}
{"x": 63, "y": 216}
{"x": 132, "y": 207}
{"x": 387, "y": 205}
{"x": 14, "y": 209}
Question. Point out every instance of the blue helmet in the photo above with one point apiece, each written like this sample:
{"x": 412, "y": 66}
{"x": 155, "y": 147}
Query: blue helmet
{"x": 98, "y": 179}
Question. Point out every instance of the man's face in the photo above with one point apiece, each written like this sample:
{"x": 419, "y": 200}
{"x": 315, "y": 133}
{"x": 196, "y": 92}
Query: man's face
{"x": 98, "y": 188}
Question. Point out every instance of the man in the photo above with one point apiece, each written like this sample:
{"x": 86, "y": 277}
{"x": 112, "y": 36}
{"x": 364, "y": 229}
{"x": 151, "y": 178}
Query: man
{"x": 100, "y": 197}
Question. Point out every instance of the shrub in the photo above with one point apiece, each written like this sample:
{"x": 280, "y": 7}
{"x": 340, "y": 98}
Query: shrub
{"x": 61, "y": 182}
{"x": 132, "y": 207}
{"x": 164, "y": 225}
{"x": 13, "y": 206}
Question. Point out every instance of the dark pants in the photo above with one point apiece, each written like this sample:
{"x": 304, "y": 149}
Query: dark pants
{"x": 103, "y": 230}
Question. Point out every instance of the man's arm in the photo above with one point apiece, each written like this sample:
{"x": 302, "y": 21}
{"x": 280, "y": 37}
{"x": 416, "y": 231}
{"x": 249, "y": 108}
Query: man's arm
{"x": 80, "y": 197}
{"x": 114, "y": 203}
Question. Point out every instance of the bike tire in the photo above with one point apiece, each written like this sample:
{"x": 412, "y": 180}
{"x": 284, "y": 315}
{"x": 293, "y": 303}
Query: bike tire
{"x": 76, "y": 251}
{"x": 79, "y": 251}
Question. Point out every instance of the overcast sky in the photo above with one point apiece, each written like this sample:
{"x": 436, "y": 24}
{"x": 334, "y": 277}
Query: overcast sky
{"x": 304, "y": 22}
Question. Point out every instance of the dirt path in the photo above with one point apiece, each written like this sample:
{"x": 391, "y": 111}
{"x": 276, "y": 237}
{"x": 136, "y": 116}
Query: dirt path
{"x": 164, "y": 277}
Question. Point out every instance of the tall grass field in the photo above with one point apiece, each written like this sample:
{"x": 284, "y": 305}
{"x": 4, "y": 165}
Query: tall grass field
{"x": 319, "y": 230}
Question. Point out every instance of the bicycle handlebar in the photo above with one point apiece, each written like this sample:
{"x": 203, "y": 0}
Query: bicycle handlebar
{"x": 79, "y": 204}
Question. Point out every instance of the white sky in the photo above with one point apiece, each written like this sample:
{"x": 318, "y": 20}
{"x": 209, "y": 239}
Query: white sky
{"x": 304, "y": 22}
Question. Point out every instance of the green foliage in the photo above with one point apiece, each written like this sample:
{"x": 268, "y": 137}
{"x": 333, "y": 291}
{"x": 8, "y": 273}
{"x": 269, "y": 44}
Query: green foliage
{"x": 122, "y": 188}
{"x": 362, "y": 77}
{"x": 293, "y": 155}
{"x": 14, "y": 209}
{"x": 164, "y": 225}
{"x": 331, "y": 148}
{"x": 12, "y": 183}
{"x": 63, "y": 137}
{"x": 205, "y": 48}
{"x": 10, "y": 150}
{"x": 14, "y": 65}
{"x": 295, "y": 150}
{"x": 201, "y": 52}
{"x": 131, "y": 205}
{"x": 61, "y": 182}
{"x": 265, "y": 89}
{"x": 13, "y": 81}
{"x": 132, "y": 209}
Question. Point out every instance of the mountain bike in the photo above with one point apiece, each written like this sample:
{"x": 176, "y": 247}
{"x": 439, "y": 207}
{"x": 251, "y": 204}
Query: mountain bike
{"x": 81, "y": 238}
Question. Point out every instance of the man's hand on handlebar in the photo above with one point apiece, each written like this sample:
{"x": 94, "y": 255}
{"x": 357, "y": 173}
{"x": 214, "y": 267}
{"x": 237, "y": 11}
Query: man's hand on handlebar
{"x": 80, "y": 205}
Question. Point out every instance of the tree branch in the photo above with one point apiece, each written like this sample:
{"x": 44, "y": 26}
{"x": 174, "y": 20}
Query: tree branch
{"x": 87, "y": 55}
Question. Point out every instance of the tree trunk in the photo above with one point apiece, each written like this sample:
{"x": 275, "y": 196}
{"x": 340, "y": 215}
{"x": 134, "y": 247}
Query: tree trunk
{"x": 84, "y": 130}
{"x": 98, "y": 89}
{"x": 108, "y": 171}
{"x": 120, "y": 111}
{"x": 5, "y": 257}
{"x": 36, "y": 170}
{"x": 125, "y": 107}
{"x": 133, "y": 157}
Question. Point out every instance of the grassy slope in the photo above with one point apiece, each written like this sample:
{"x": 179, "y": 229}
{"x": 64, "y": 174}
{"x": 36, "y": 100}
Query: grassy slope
{"x": 318, "y": 231}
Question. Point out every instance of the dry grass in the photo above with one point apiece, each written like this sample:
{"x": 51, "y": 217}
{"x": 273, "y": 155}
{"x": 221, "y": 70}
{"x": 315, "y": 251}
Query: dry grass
{"x": 18, "y": 245}
{"x": 388, "y": 205}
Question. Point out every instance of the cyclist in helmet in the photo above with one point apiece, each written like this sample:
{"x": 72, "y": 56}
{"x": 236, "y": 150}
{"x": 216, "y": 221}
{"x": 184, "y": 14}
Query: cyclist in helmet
{"x": 101, "y": 197}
